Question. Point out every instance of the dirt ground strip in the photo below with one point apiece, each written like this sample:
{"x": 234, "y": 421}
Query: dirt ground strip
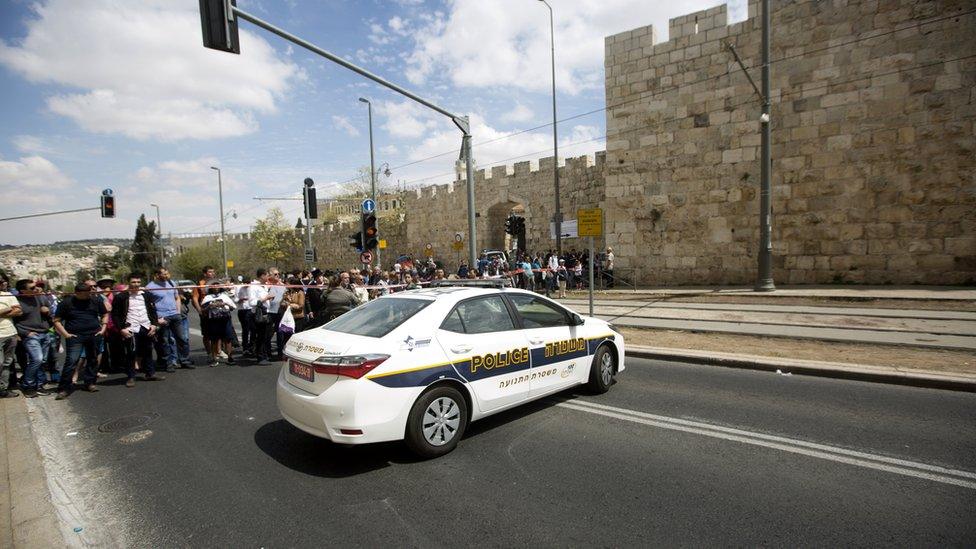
{"x": 708, "y": 297}
{"x": 934, "y": 360}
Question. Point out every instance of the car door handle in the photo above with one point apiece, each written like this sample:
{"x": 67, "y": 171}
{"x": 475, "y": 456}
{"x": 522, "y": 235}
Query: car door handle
{"x": 460, "y": 349}
{"x": 536, "y": 341}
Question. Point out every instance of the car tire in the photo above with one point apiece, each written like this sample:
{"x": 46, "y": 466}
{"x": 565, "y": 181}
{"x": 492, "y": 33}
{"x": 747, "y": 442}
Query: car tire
{"x": 436, "y": 422}
{"x": 602, "y": 371}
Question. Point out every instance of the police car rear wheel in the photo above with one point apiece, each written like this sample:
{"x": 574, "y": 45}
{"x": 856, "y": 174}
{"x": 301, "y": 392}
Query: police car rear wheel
{"x": 602, "y": 371}
{"x": 436, "y": 422}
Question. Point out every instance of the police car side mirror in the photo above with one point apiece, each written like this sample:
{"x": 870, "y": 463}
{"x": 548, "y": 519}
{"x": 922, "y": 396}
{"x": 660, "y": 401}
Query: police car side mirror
{"x": 577, "y": 320}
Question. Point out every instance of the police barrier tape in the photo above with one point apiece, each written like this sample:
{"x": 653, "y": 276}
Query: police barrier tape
{"x": 232, "y": 285}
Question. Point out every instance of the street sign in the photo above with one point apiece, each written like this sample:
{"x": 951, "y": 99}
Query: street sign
{"x": 382, "y": 244}
{"x": 590, "y": 222}
{"x": 309, "y": 254}
{"x": 429, "y": 250}
{"x": 230, "y": 263}
{"x": 365, "y": 258}
{"x": 458, "y": 237}
{"x": 568, "y": 228}
{"x": 369, "y": 206}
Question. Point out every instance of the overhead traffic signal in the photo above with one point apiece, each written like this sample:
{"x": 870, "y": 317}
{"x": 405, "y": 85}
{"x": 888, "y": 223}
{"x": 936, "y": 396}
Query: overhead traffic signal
{"x": 108, "y": 206}
{"x": 219, "y": 25}
{"x": 308, "y": 195}
{"x": 370, "y": 232}
{"x": 356, "y": 241}
{"x": 510, "y": 224}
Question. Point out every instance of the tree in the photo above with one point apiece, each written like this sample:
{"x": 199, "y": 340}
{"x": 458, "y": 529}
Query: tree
{"x": 190, "y": 263}
{"x": 274, "y": 239}
{"x": 145, "y": 247}
{"x": 361, "y": 186}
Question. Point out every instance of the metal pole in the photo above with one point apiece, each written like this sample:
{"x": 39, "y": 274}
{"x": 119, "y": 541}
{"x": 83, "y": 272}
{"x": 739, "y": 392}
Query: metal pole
{"x": 461, "y": 122}
{"x": 591, "y": 276}
{"x": 223, "y": 235}
{"x": 764, "y": 283}
{"x": 49, "y": 213}
{"x": 558, "y": 216}
{"x": 469, "y": 168}
{"x": 159, "y": 236}
{"x": 372, "y": 173}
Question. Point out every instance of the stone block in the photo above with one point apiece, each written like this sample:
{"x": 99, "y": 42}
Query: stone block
{"x": 963, "y": 245}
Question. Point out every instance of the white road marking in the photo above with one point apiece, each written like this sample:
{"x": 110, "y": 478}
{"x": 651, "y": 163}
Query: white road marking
{"x": 822, "y": 451}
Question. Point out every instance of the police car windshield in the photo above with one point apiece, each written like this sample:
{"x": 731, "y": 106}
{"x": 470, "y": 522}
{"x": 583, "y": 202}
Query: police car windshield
{"x": 378, "y": 317}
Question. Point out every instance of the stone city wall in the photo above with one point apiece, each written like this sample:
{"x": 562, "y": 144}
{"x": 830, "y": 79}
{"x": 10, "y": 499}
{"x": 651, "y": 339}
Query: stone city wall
{"x": 874, "y": 177}
{"x": 434, "y": 214}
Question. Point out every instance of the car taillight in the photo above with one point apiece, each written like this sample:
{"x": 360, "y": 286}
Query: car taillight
{"x": 355, "y": 366}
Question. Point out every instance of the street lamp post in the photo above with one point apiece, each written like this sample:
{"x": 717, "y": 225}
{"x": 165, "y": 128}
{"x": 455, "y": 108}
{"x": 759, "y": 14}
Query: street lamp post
{"x": 372, "y": 171}
{"x": 557, "y": 218}
{"x": 159, "y": 236}
{"x": 223, "y": 236}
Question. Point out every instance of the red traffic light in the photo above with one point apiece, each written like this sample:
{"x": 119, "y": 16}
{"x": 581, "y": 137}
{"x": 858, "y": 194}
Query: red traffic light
{"x": 108, "y": 206}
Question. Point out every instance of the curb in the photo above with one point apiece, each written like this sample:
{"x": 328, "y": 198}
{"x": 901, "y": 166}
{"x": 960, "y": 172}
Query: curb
{"x": 30, "y": 517}
{"x": 859, "y": 372}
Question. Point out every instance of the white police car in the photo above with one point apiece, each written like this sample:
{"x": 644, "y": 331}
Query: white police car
{"x": 419, "y": 365}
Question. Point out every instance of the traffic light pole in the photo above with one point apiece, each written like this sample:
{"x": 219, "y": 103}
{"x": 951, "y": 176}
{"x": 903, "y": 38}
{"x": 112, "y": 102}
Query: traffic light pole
{"x": 49, "y": 213}
{"x": 462, "y": 122}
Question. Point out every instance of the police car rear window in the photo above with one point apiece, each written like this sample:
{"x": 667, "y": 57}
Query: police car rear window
{"x": 377, "y": 318}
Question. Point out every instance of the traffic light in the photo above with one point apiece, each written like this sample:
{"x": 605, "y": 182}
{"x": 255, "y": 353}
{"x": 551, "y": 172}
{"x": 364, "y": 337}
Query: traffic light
{"x": 356, "y": 241}
{"x": 519, "y": 225}
{"x": 108, "y": 206}
{"x": 510, "y": 225}
{"x": 219, "y": 25}
{"x": 308, "y": 194}
{"x": 370, "y": 232}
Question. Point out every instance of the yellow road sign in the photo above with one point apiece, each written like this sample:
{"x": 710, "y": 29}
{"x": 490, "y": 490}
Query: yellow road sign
{"x": 458, "y": 246}
{"x": 382, "y": 244}
{"x": 589, "y": 221}
{"x": 230, "y": 263}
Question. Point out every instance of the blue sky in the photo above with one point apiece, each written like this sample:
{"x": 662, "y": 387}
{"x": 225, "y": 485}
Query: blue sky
{"x": 121, "y": 94}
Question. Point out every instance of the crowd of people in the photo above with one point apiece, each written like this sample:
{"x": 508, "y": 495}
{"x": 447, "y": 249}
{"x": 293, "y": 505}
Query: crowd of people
{"x": 133, "y": 328}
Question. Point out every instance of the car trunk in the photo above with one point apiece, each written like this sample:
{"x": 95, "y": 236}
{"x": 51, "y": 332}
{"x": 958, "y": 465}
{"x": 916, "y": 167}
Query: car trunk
{"x": 301, "y": 372}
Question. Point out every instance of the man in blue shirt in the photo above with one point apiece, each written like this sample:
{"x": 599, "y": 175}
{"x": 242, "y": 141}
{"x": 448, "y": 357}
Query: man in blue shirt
{"x": 172, "y": 343}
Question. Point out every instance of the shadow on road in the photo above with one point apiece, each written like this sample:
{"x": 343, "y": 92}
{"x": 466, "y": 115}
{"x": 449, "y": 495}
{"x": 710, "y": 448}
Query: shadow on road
{"x": 315, "y": 456}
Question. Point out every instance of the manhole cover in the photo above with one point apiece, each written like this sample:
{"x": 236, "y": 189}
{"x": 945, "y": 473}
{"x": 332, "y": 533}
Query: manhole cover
{"x": 127, "y": 422}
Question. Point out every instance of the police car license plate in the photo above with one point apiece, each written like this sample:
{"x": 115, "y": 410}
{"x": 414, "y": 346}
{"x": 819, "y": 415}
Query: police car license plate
{"x": 304, "y": 371}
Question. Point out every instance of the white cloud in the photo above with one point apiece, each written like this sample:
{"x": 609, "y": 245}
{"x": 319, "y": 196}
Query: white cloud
{"x": 343, "y": 123}
{"x": 144, "y": 71}
{"x": 31, "y": 174}
{"x": 492, "y": 147}
{"x": 407, "y": 119}
{"x": 520, "y": 113}
{"x": 506, "y": 42}
{"x": 32, "y": 144}
{"x": 389, "y": 150}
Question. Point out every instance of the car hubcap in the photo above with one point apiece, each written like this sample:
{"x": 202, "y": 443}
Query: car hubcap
{"x": 606, "y": 368}
{"x": 441, "y": 421}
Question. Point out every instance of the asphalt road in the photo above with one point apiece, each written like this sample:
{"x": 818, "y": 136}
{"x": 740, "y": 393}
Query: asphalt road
{"x": 672, "y": 455}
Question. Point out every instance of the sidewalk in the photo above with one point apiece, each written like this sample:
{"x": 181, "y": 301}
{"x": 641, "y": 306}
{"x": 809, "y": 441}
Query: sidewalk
{"x": 934, "y": 327}
{"x": 819, "y": 291}
{"x": 27, "y": 517}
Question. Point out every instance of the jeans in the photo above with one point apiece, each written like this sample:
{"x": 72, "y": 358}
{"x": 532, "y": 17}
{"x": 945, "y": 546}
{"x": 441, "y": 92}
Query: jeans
{"x": 36, "y": 346}
{"x": 140, "y": 346}
{"x": 243, "y": 315}
{"x": 172, "y": 344}
{"x": 72, "y": 354}
{"x": 275, "y": 322}
{"x": 8, "y": 346}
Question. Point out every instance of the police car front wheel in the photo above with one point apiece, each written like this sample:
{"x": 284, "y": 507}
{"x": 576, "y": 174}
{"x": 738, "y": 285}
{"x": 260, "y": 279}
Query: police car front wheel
{"x": 436, "y": 422}
{"x": 602, "y": 371}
